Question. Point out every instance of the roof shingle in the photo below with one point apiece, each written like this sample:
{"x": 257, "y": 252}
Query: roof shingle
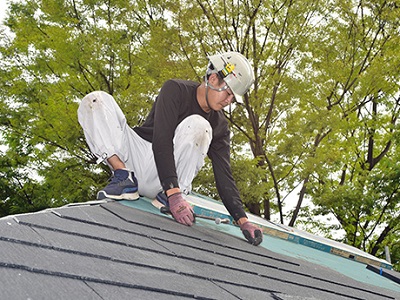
{"x": 111, "y": 251}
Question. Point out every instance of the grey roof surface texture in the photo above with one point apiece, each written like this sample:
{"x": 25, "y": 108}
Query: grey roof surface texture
{"x": 111, "y": 251}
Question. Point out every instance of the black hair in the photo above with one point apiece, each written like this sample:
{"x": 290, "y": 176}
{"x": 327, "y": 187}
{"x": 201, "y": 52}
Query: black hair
{"x": 208, "y": 74}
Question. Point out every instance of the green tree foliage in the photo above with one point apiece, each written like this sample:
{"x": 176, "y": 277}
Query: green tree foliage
{"x": 321, "y": 117}
{"x": 54, "y": 53}
{"x": 353, "y": 167}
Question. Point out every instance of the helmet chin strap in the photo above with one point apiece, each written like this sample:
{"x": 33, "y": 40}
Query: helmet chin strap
{"x": 208, "y": 104}
{"x": 209, "y": 85}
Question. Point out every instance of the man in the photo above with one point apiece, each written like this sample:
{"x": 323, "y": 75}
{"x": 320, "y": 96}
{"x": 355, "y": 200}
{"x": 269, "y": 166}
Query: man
{"x": 161, "y": 158}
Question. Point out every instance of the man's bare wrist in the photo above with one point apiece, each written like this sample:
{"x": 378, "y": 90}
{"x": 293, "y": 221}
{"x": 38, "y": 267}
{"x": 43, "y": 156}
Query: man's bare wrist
{"x": 242, "y": 220}
{"x": 172, "y": 191}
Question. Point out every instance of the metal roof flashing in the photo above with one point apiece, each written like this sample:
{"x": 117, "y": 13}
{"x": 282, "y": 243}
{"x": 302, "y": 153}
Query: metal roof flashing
{"x": 337, "y": 256}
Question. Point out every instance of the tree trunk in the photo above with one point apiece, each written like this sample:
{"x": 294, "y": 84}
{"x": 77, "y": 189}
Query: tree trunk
{"x": 299, "y": 202}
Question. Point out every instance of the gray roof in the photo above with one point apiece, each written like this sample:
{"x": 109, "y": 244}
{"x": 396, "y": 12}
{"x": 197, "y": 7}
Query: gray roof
{"x": 108, "y": 250}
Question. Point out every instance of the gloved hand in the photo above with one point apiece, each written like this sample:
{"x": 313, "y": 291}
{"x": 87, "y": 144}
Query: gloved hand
{"x": 252, "y": 233}
{"x": 180, "y": 209}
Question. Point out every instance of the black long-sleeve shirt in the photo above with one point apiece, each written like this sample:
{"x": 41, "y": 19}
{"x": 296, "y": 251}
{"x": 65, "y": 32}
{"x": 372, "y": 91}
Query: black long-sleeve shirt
{"x": 176, "y": 101}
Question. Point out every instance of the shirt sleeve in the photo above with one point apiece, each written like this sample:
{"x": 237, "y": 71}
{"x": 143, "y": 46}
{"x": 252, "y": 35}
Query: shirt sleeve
{"x": 219, "y": 154}
{"x": 165, "y": 121}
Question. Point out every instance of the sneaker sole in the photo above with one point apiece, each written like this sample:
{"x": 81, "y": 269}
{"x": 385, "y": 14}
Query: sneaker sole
{"x": 131, "y": 196}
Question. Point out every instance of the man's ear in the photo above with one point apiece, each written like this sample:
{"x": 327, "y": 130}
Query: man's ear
{"x": 213, "y": 79}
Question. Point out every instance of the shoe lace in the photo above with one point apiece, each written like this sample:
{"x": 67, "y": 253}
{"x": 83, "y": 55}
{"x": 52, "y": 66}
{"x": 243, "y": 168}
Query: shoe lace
{"x": 117, "y": 178}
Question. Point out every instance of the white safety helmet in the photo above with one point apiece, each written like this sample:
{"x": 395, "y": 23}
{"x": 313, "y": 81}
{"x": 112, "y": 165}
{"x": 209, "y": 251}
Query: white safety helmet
{"x": 236, "y": 71}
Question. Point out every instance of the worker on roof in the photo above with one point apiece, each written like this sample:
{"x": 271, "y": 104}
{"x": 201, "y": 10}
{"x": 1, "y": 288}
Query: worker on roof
{"x": 161, "y": 158}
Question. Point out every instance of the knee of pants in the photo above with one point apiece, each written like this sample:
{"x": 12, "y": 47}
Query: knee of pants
{"x": 104, "y": 125}
{"x": 196, "y": 129}
{"x": 99, "y": 103}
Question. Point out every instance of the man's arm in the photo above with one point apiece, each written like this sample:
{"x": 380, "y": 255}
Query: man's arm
{"x": 165, "y": 122}
{"x": 166, "y": 119}
{"x": 227, "y": 189}
{"x": 219, "y": 154}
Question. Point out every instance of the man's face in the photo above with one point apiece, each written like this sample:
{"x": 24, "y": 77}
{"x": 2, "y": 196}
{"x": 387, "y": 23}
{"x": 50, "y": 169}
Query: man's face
{"x": 217, "y": 100}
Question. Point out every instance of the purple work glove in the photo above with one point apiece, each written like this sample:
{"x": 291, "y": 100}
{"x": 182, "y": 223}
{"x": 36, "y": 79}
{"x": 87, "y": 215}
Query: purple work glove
{"x": 180, "y": 209}
{"x": 252, "y": 233}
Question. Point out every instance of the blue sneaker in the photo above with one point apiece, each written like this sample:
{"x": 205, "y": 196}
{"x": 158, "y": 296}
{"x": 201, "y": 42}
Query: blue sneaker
{"x": 162, "y": 198}
{"x": 123, "y": 186}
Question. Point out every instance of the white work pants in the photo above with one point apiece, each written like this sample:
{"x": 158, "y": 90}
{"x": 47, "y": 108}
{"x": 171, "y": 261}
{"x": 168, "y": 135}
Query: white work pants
{"x": 108, "y": 134}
